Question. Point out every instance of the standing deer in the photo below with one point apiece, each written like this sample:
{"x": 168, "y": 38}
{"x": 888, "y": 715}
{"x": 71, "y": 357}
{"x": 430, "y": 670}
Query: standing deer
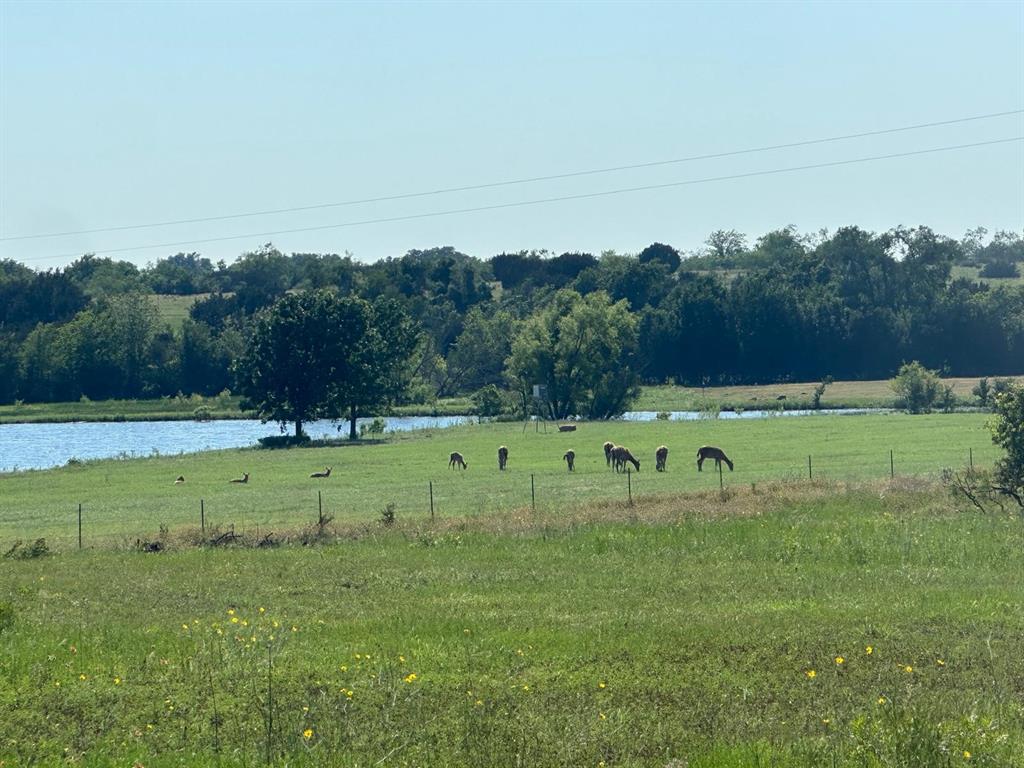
{"x": 570, "y": 459}
{"x": 243, "y": 479}
{"x": 710, "y": 452}
{"x": 620, "y": 455}
{"x": 325, "y": 473}
{"x": 660, "y": 457}
{"x": 455, "y": 459}
{"x": 502, "y": 457}
{"x": 608, "y": 448}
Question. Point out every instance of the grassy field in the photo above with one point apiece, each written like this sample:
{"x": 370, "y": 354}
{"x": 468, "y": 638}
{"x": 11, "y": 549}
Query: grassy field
{"x": 125, "y": 500}
{"x": 174, "y": 309}
{"x": 794, "y": 625}
{"x": 973, "y": 273}
{"x": 841, "y": 394}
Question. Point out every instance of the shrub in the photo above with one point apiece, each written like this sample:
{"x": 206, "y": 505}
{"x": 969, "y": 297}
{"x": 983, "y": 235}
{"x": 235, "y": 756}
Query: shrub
{"x": 663, "y": 416}
{"x": 387, "y": 517}
{"x": 819, "y": 391}
{"x": 375, "y": 427}
{"x": 488, "y": 401}
{"x": 202, "y": 413}
{"x": 917, "y": 387}
{"x": 283, "y": 441}
{"x": 1000, "y": 269}
{"x": 983, "y": 391}
{"x": 1008, "y": 433}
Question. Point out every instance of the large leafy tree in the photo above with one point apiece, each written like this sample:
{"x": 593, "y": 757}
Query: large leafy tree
{"x": 317, "y": 355}
{"x": 583, "y": 351}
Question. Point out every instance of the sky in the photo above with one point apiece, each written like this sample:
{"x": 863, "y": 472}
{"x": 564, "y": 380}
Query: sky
{"x": 117, "y": 115}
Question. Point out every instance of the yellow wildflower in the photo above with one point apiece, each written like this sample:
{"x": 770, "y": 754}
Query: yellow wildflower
{"x": 869, "y": 649}
{"x": 231, "y": 611}
{"x": 967, "y": 755}
{"x": 479, "y": 703}
{"x": 840, "y": 660}
{"x": 81, "y": 677}
{"x": 411, "y": 677}
{"x": 117, "y": 681}
{"x": 307, "y": 734}
{"x": 908, "y": 669}
{"x": 602, "y": 684}
{"x": 811, "y": 673}
{"x": 940, "y": 662}
{"x": 882, "y": 699}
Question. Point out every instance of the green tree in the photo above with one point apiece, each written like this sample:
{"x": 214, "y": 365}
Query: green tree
{"x": 917, "y": 387}
{"x": 298, "y": 349}
{"x": 317, "y": 355}
{"x": 1008, "y": 433}
{"x": 583, "y": 350}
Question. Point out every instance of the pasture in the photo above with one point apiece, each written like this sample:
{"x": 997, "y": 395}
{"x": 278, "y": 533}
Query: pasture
{"x": 791, "y": 625}
{"x": 125, "y": 500}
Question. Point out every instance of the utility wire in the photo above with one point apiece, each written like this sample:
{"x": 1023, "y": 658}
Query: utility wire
{"x": 511, "y": 182}
{"x": 542, "y": 201}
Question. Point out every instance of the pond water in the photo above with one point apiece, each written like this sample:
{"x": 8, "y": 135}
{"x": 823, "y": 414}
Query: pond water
{"x": 40, "y": 446}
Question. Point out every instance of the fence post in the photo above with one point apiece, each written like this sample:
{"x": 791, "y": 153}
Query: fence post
{"x": 892, "y": 466}
{"x": 970, "y": 455}
{"x": 533, "y": 494}
{"x": 721, "y": 481}
{"x": 320, "y": 508}
{"x": 431, "y": 501}
{"x": 810, "y": 475}
{"x": 79, "y": 526}
{"x": 629, "y": 485}
{"x": 202, "y": 516}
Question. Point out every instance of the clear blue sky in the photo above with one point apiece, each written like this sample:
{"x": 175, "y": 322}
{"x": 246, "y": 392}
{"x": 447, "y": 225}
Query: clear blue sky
{"x": 124, "y": 113}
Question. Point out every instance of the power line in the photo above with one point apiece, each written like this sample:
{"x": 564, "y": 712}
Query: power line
{"x": 542, "y": 201}
{"x": 511, "y": 182}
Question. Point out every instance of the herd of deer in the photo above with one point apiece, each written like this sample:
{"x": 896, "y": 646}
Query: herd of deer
{"x": 616, "y": 456}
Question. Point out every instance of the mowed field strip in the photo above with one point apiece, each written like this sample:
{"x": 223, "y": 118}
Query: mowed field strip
{"x": 126, "y": 499}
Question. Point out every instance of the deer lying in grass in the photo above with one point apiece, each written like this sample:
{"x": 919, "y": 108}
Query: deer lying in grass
{"x": 455, "y": 459}
{"x": 502, "y": 457}
{"x": 180, "y": 480}
{"x": 608, "y": 448}
{"x": 660, "y": 457}
{"x": 243, "y": 479}
{"x": 325, "y": 473}
{"x": 710, "y": 452}
{"x": 620, "y": 455}
{"x": 570, "y": 459}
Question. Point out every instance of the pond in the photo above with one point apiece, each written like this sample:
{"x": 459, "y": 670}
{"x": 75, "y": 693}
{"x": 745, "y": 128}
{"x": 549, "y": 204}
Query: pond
{"x": 41, "y": 446}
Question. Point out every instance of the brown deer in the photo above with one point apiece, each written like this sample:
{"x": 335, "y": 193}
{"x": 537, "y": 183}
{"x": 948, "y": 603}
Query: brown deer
{"x": 455, "y": 459}
{"x": 660, "y": 457}
{"x": 243, "y": 479}
{"x": 502, "y": 457}
{"x": 180, "y": 480}
{"x": 570, "y": 459}
{"x": 608, "y": 448}
{"x": 325, "y": 473}
{"x": 620, "y": 455}
{"x": 710, "y": 452}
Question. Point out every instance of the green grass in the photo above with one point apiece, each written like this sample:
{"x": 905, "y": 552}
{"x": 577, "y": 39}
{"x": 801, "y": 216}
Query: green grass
{"x": 671, "y": 634}
{"x": 125, "y": 500}
{"x": 973, "y": 273}
{"x": 840, "y": 394}
{"x": 161, "y": 409}
{"x": 174, "y": 309}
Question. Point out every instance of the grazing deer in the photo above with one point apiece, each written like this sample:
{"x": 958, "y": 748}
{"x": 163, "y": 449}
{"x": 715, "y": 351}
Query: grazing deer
{"x": 455, "y": 459}
{"x": 566, "y": 427}
{"x": 243, "y": 479}
{"x": 180, "y": 480}
{"x": 620, "y": 455}
{"x": 608, "y": 448}
{"x": 660, "y": 457}
{"x": 502, "y": 457}
{"x": 325, "y": 473}
{"x": 570, "y": 459}
{"x": 710, "y": 452}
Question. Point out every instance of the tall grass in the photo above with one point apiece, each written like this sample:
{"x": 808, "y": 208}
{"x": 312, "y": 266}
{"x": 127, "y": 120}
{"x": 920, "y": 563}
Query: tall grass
{"x": 785, "y": 625}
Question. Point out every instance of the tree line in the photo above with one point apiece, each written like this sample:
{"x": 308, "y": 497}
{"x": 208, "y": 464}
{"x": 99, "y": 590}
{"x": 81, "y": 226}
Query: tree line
{"x": 588, "y": 328}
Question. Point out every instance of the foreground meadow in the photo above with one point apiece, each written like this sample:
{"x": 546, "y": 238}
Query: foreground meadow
{"x": 127, "y": 500}
{"x": 793, "y": 624}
